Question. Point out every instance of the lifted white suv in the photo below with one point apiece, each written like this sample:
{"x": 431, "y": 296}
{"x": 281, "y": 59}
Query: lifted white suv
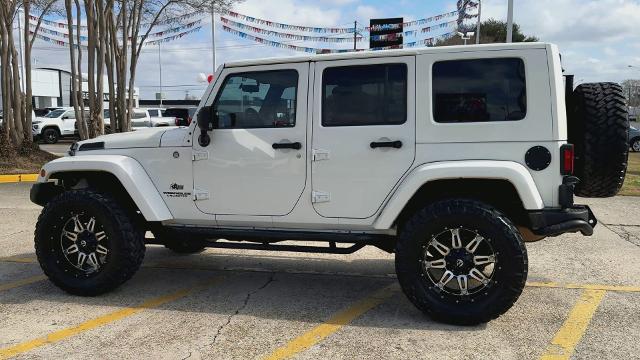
{"x": 450, "y": 157}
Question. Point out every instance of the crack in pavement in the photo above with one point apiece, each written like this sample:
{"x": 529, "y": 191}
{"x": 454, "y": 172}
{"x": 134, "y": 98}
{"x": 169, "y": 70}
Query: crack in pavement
{"x": 238, "y": 310}
{"x": 622, "y": 232}
{"x": 627, "y": 225}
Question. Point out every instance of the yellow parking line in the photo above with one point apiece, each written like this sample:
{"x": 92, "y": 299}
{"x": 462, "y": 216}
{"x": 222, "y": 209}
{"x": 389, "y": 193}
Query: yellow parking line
{"x": 27, "y": 281}
{"x": 63, "y": 334}
{"x": 556, "y": 285}
{"x": 566, "y": 339}
{"x": 22, "y": 260}
{"x": 18, "y": 178}
{"x": 332, "y": 325}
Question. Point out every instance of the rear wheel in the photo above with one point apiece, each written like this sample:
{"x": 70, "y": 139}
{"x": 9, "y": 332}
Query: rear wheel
{"x": 461, "y": 262}
{"x": 635, "y": 145}
{"x": 86, "y": 244}
{"x": 599, "y": 128}
{"x": 50, "y": 135}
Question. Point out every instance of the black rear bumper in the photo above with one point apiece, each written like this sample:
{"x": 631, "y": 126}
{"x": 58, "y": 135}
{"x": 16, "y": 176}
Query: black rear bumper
{"x": 553, "y": 222}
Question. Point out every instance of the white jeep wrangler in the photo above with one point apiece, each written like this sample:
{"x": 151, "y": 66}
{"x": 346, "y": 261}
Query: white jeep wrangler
{"x": 450, "y": 157}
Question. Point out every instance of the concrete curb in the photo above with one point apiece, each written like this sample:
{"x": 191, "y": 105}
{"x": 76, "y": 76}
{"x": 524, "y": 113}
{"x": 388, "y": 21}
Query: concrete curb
{"x": 6, "y": 179}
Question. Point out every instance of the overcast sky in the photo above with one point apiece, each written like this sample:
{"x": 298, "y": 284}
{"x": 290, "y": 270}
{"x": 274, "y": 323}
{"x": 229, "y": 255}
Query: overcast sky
{"x": 598, "y": 39}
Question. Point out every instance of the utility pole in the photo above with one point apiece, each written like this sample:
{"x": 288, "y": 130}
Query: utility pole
{"x": 510, "y": 22}
{"x": 478, "y": 26}
{"x": 213, "y": 38}
{"x": 355, "y": 35}
{"x": 160, "y": 64}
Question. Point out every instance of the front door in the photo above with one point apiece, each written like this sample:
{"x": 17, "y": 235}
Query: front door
{"x": 256, "y": 161}
{"x": 363, "y": 133}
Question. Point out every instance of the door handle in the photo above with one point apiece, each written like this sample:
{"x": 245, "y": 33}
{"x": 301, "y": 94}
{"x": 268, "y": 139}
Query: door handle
{"x": 394, "y": 144}
{"x": 294, "y": 145}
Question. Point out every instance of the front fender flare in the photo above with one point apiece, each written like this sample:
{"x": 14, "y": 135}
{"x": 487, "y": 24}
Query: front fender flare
{"x": 130, "y": 173}
{"x": 511, "y": 171}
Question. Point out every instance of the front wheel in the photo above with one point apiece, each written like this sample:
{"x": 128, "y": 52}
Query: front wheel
{"x": 86, "y": 244}
{"x": 461, "y": 262}
{"x": 635, "y": 145}
{"x": 50, "y": 135}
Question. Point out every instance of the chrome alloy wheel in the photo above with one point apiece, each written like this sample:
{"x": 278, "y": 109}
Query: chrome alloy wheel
{"x": 84, "y": 244}
{"x": 459, "y": 261}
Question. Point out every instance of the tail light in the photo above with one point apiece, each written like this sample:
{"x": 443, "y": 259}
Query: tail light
{"x": 189, "y": 120}
{"x": 176, "y": 121}
{"x": 566, "y": 159}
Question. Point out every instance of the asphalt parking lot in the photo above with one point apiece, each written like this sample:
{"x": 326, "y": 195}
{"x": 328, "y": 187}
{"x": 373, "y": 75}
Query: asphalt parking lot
{"x": 582, "y": 300}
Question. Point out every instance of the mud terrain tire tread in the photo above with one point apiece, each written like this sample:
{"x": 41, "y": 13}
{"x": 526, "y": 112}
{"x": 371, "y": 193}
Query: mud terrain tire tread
{"x": 599, "y": 129}
{"x": 508, "y": 240}
{"x": 120, "y": 269}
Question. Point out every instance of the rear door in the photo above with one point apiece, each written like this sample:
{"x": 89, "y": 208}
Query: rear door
{"x": 363, "y": 133}
{"x": 68, "y": 122}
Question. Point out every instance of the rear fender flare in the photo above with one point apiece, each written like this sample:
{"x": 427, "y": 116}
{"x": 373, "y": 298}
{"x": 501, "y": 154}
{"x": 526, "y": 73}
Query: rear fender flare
{"x": 511, "y": 171}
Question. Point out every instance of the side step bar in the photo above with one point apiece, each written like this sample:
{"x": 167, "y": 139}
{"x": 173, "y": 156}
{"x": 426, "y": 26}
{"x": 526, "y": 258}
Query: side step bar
{"x": 249, "y": 239}
{"x": 331, "y": 249}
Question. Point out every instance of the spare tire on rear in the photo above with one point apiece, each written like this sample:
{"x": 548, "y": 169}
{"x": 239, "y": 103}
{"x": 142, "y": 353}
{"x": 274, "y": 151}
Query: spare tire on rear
{"x": 598, "y": 127}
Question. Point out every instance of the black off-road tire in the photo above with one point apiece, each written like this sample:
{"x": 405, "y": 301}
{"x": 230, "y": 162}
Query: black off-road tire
{"x": 178, "y": 242}
{"x": 510, "y": 269}
{"x": 126, "y": 242}
{"x": 50, "y": 135}
{"x": 598, "y": 126}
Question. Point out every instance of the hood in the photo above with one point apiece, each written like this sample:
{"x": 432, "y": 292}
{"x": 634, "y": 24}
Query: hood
{"x": 145, "y": 138}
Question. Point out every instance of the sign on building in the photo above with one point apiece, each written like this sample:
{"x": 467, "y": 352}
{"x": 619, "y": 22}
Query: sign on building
{"x": 386, "y": 33}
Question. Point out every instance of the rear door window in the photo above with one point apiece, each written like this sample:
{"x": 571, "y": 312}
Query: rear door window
{"x": 364, "y": 95}
{"x": 479, "y": 90}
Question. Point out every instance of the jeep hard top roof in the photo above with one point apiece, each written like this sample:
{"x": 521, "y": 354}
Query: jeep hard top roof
{"x": 390, "y": 53}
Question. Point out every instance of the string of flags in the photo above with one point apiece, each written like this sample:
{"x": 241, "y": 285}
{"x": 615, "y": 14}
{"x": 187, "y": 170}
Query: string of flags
{"x": 321, "y": 30}
{"x": 273, "y": 33}
{"x": 280, "y": 45}
{"x": 341, "y": 30}
{"x": 66, "y": 43}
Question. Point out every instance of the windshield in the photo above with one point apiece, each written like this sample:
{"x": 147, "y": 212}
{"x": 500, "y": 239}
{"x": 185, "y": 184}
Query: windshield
{"x": 55, "y": 113}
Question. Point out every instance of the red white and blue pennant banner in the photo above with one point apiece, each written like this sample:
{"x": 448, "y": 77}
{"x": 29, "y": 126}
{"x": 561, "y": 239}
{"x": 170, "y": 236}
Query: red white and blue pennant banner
{"x": 267, "y": 32}
{"x": 280, "y": 45}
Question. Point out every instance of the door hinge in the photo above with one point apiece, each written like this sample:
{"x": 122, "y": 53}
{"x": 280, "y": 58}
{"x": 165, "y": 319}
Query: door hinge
{"x": 320, "y": 197}
{"x": 199, "y": 155}
{"x": 200, "y": 194}
{"x": 319, "y": 154}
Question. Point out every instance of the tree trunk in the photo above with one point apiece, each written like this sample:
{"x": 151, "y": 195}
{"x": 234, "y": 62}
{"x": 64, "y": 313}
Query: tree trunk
{"x": 81, "y": 122}
{"x": 28, "y": 100}
{"x": 18, "y": 105}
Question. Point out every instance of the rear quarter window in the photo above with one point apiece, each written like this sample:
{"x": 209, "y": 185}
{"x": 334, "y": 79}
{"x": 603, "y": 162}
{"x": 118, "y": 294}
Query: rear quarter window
{"x": 479, "y": 90}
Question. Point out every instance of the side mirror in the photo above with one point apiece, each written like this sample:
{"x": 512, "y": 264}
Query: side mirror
{"x": 65, "y": 118}
{"x": 205, "y": 123}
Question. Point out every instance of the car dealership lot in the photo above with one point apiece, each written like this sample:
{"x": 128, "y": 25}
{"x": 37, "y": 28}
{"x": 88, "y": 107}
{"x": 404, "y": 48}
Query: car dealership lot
{"x": 582, "y": 295}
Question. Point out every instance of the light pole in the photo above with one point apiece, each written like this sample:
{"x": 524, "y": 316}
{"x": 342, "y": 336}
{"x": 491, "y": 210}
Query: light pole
{"x": 478, "y": 25}
{"x": 466, "y": 35}
{"x": 160, "y": 72}
{"x": 213, "y": 37}
{"x": 510, "y": 22}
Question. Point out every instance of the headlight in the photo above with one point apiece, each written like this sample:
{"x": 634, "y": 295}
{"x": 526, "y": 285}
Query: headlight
{"x": 35, "y": 126}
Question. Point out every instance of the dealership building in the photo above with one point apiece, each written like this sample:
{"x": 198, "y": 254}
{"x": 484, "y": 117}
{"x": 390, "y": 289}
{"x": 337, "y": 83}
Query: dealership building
{"x": 52, "y": 88}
